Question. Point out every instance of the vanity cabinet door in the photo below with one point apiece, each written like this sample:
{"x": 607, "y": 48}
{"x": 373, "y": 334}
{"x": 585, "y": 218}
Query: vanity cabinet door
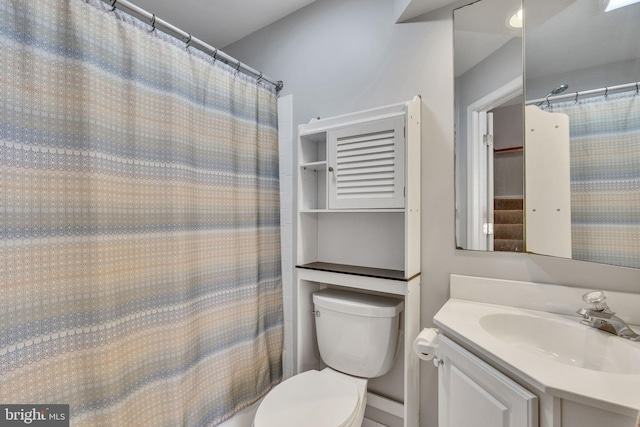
{"x": 367, "y": 164}
{"x": 472, "y": 393}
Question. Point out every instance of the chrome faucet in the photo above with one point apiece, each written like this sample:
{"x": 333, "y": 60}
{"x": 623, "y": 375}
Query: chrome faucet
{"x": 600, "y": 316}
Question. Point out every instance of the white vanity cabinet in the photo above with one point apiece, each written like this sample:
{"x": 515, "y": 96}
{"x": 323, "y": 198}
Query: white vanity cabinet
{"x": 359, "y": 230}
{"x": 504, "y": 362}
{"x": 472, "y": 393}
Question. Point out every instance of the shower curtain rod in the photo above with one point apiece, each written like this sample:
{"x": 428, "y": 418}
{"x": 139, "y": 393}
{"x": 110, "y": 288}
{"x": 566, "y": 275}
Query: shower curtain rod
{"x": 586, "y": 94}
{"x": 162, "y": 25}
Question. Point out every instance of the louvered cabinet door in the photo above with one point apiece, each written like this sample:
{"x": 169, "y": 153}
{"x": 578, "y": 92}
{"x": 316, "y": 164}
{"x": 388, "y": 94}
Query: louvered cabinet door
{"x": 366, "y": 165}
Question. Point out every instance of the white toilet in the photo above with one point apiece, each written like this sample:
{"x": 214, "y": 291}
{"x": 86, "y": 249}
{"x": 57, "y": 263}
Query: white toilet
{"x": 357, "y": 338}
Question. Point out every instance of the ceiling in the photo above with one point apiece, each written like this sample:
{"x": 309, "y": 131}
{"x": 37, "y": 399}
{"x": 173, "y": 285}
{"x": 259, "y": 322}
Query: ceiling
{"x": 221, "y": 22}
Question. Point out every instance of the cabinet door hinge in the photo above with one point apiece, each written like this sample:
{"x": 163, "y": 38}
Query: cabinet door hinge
{"x": 487, "y": 138}
{"x": 487, "y": 228}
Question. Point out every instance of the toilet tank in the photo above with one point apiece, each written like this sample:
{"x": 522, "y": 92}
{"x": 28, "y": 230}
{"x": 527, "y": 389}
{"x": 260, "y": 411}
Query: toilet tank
{"x": 357, "y": 333}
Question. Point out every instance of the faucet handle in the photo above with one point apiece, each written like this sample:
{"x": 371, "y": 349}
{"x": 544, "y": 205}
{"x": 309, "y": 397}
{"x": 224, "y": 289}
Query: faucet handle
{"x": 596, "y": 299}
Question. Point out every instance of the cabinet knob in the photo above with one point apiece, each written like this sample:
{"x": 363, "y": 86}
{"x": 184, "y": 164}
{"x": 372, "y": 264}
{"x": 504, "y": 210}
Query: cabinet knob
{"x": 330, "y": 168}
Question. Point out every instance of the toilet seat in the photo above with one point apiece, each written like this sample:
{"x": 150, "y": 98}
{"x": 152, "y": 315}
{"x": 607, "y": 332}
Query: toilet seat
{"x": 311, "y": 399}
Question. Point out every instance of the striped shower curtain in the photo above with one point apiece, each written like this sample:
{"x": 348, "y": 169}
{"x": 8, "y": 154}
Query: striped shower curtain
{"x": 605, "y": 177}
{"x": 140, "y": 276}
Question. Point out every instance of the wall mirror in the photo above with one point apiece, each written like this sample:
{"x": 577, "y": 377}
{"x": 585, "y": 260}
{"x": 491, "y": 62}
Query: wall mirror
{"x": 488, "y": 125}
{"x": 581, "y": 132}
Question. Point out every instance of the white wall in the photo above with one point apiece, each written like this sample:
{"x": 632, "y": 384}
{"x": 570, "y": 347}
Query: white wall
{"x": 339, "y": 56}
{"x": 285, "y": 141}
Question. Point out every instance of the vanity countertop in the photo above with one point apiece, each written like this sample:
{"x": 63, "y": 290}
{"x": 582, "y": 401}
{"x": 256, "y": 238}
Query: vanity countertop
{"x": 466, "y": 322}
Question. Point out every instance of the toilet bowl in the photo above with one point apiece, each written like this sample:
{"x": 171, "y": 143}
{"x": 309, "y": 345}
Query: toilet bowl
{"x": 357, "y": 338}
{"x": 315, "y": 399}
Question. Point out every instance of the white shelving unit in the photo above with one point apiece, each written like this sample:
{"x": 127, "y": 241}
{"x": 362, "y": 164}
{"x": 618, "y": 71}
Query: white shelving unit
{"x": 359, "y": 229}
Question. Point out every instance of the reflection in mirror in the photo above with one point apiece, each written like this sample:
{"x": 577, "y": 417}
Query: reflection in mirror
{"x": 582, "y": 183}
{"x": 488, "y": 125}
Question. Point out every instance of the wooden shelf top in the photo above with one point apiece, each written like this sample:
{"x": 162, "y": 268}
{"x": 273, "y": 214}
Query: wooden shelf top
{"x": 380, "y": 273}
{"x": 335, "y": 211}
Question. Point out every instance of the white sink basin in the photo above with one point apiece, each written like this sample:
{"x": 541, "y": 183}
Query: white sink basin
{"x": 565, "y": 342}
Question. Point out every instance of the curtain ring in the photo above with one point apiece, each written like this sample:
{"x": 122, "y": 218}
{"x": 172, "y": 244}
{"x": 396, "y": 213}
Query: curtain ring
{"x": 113, "y": 5}
{"x": 188, "y": 42}
{"x": 606, "y": 92}
{"x": 260, "y": 77}
{"x": 637, "y": 88}
{"x": 215, "y": 54}
{"x": 576, "y": 98}
{"x": 153, "y": 23}
{"x": 238, "y": 66}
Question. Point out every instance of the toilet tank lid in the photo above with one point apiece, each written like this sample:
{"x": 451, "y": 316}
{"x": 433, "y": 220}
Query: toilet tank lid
{"x": 357, "y": 303}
